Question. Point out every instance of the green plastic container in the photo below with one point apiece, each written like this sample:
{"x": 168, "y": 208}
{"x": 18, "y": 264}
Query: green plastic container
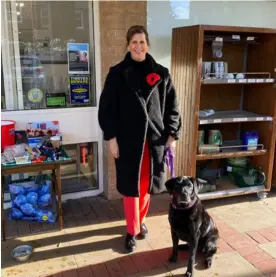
{"x": 245, "y": 177}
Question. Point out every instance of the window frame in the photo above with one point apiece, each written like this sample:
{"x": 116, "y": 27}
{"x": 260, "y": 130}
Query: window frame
{"x": 78, "y": 11}
{"x": 43, "y": 9}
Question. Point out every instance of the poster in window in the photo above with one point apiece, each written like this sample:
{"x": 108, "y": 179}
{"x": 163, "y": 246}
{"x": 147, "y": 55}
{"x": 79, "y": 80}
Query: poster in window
{"x": 79, "y": 89}
{"x": 78, "y": 58}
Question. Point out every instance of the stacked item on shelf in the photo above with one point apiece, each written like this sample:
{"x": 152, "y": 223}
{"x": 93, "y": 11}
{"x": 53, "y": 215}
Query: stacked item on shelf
{"x": 214, "y": 142}
{"x": 243, "y": 174}
{"x": 217, "y": 72}
{"x": 41, "y": 142}
{"x": 207, "y": 182}
{"x": 24, "y": 154}
{"x": 33, "y": 200}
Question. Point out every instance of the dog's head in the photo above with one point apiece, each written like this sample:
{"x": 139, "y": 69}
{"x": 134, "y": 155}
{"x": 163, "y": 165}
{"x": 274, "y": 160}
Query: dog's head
{"x": 184, "y": 190}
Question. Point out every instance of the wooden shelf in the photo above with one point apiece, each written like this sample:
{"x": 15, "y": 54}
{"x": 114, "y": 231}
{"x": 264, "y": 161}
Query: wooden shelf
{"x": 231, "y": 38}
{"x": 232, "y": 117}
{"x": 225, "y": 155}
{"x": 237, "y": 81}
{"x": 227, "y": 188}
{"x": 250, "y": 99}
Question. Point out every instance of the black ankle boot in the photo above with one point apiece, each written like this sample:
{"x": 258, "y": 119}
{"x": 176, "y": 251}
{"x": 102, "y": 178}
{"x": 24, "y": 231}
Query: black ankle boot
{"x": 130, "y": 243}
{"x": 143, "y": 231}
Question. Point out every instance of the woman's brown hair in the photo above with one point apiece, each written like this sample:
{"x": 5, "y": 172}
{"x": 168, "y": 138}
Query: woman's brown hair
{"x": 137, "y": 29}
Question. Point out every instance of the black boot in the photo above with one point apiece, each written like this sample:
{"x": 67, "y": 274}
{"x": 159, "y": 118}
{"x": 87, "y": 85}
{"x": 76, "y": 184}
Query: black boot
{"x": 130, "y": 243}
{"x": 143, "y": 231}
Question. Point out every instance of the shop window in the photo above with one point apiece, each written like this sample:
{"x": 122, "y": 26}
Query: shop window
{"x": 82, "y": 173}
{"x": 52, "y": 65}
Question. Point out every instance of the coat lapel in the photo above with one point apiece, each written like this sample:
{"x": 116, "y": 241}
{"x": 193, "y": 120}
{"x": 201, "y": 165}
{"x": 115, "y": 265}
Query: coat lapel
{"x": 151, "y": 92}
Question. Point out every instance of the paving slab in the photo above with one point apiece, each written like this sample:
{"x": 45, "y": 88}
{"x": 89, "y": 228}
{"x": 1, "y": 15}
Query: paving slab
{"x": 269, "y": 248}
{"x": 225, "y": 265}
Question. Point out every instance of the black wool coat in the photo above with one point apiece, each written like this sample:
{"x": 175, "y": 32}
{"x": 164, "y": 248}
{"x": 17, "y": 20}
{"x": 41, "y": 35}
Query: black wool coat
{"x": 134, "y": 112}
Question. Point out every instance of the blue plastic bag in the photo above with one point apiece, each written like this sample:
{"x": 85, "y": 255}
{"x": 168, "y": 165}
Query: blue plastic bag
{"x": 32, "y": 197}
{"x": 45, "y": 189}
{"x": 45, "y": 216}
{"x": 19, "y": 200}
{"x": 45, "y": 200}
{"x": 16, "y": 190}
{"x": 27, "y": 209}
{"x": 16, "y": 214}
{"x": 32, "y": 200}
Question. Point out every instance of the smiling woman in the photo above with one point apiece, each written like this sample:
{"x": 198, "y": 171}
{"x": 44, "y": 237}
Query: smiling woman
{"x": 138, "y": 42}
{"x": 138, "y": 113}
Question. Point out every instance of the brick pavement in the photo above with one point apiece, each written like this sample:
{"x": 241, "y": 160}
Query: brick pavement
{"x": 255, "y": 248}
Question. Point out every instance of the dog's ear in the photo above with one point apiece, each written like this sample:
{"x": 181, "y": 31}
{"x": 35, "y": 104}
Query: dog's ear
{"x": 170, "y": 185}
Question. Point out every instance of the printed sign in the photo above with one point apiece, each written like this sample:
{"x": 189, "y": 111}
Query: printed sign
{"x": 55, "y": 99}
{"x": 79, "y": 89}
{"x": 78, "y": 58}
{"x": 35, "y": 95}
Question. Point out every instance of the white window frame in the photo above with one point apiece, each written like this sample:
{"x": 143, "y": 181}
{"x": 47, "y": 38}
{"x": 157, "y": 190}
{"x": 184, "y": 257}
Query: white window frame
{"x": 19, "y": 17}
{"x": 81, "y": 27}
{"x": 11, "y": 67}
{"x": 43, "y": 9}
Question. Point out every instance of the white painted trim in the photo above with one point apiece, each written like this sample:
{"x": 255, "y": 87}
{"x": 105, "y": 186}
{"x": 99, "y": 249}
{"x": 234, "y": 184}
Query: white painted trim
{"x": 52, "y": 111}
{"x": 15, "y": 40}
{"x": 7, "y": 53}
{"x": 97, "y": 55}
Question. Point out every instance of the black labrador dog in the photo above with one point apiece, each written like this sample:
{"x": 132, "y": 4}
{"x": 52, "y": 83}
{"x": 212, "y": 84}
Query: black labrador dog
{"x": 190, "y": 222}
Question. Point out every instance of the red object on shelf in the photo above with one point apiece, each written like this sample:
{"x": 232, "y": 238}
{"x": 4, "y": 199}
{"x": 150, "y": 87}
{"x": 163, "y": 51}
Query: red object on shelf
{"x": 7, "y": 133}
{"x": 83, "y": 154}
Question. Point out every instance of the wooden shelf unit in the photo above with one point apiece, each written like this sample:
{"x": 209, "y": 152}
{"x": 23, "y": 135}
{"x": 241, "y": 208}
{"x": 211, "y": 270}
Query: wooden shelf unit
{"x": 253, "y": 100}
{"x": 221, "y": 155}
{"x": 274, "y": 170}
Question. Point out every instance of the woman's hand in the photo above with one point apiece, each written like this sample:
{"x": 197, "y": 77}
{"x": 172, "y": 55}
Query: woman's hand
{"x": 171, "y": 142}
{"x": 114, "y": 148}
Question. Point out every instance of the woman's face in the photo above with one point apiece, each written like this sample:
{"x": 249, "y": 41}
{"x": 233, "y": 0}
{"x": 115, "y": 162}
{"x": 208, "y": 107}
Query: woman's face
{"x": 138, "y": 47}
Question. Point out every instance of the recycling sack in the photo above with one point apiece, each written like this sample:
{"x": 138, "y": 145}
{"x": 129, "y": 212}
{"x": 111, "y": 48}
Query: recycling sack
{"x": 33, "y": 200}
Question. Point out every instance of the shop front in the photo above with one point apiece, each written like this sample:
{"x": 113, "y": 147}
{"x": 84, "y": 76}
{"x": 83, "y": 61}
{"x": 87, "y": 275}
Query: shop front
{"x": 55, "y": 56}
{"x": 52, "y": 48}
{"x": 50, "y": 56}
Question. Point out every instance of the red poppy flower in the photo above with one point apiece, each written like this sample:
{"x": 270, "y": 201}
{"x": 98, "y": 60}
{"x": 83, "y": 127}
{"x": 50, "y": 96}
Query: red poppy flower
{"x": 152, "y": 78}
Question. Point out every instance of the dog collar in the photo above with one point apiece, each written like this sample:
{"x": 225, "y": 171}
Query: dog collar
{"x": 183, "y": 208}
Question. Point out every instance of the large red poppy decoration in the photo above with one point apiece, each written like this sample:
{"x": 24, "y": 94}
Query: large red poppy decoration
{"x": 152, "y": 78}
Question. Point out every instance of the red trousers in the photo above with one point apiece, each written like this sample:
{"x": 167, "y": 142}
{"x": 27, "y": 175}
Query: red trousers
{"x": 136, "y": 208}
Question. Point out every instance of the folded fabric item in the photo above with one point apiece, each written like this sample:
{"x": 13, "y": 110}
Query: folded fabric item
{"x": 206, "y": 185}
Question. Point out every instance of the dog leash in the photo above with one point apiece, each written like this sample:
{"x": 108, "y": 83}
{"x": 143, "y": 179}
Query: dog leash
{"x": 169, "y": 158}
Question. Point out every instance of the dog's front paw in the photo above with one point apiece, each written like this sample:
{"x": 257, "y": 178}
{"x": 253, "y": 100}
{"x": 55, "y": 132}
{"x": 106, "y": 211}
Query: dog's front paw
{"x": 208, "y": 262}
{"x": 173, "y": 259}
{"x": 189, "y": 274}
